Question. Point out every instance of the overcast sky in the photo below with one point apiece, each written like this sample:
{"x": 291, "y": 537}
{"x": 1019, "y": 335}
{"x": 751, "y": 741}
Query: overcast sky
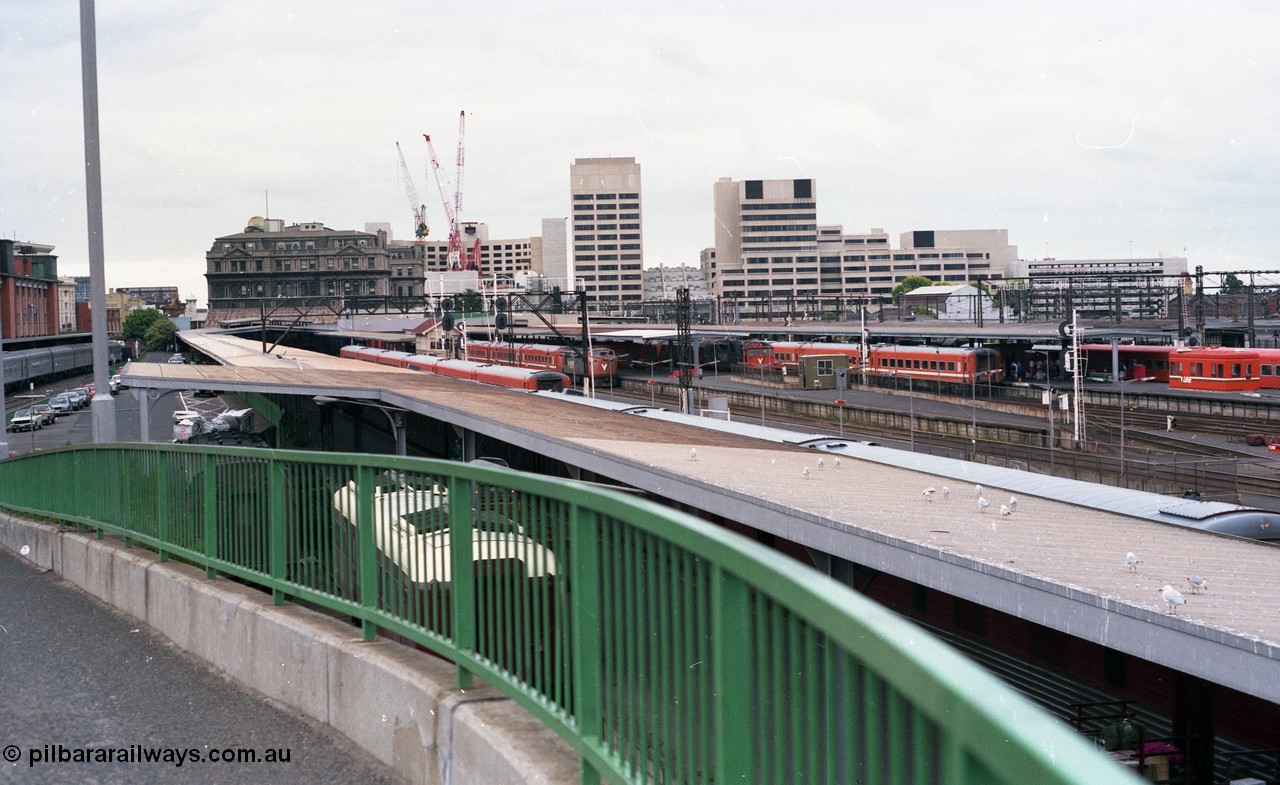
{"x": 1087, "y": 129}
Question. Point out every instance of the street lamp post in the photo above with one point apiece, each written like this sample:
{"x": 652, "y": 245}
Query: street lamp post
{"x": 840, "y": 410}
{"x": 1122, "y": 385}
{"x": 653, "y": 384}
{"x": 394, "y": 416}
{"x": 762, "y": 393}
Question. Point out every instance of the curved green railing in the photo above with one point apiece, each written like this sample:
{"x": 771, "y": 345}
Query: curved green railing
{"x": 663, "y": 648}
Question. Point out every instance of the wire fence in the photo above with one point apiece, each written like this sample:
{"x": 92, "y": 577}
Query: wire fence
{"x": 664, "y": 649}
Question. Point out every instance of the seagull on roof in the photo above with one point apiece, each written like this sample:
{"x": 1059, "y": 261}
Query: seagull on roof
{"x": 1173, "y": 598}
{"x": 1131, "y": 561}
{"x": 821, "y": 464}
{"x": 946, "y": 492}
{"x": 1198, "y": 584}
{"x": 983, "y": 504}
{"x": 837, "y": 463}
{"x": 977, "y": 489}
{"x": 805, "y": 472}
{"x": 693, "y": 453}
{"x": 928, "y": 494}
{"x": 1005, "y": 512}
{"x": 1013, "y": 502}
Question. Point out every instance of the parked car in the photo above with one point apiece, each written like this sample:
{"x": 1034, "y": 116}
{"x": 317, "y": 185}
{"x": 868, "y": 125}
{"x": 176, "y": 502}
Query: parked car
{"x": 25, "y": 420}
{"x": 177, "y": 359}
{"x": 46, "y": 414}
{"x": 79, "y": 397}
{"x": 61, "y": 403}
{"x": 116, "y": 384}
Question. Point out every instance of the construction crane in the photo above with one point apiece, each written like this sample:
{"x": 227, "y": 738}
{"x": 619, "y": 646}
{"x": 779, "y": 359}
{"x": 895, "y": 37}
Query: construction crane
{"x": 419, "y": 210}
{"x": 452, "y": 211}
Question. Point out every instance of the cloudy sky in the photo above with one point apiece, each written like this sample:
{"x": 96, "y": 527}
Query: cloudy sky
{"x": 1087, "y": 129}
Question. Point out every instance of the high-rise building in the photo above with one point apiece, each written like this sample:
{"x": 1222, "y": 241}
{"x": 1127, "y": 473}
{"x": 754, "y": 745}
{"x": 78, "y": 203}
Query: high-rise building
{"x": 769, "y": 244}
{"x": 608, "y": 252}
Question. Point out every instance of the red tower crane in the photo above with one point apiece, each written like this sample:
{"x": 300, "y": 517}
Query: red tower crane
{"x": 453, "y": 212}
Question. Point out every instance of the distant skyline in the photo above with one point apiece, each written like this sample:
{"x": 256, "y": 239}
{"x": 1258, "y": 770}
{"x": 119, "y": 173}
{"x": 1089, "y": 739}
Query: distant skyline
{"x": 1088, "y": 130}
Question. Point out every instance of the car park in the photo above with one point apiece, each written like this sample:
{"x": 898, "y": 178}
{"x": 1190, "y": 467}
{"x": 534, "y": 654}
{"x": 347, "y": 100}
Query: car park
{"x": 25, "y": 420}
{"x": 46, "y": 413}
{"x": 61, "y": 403}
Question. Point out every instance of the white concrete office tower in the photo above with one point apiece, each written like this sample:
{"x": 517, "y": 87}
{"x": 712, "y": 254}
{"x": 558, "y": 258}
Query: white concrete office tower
{"x": 608, "y": 253}
{"x": 769, "y": 244}
{"x": 557, "y": 269}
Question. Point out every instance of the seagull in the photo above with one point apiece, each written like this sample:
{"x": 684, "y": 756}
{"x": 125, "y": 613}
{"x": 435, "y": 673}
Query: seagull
{"x": 1198, "y": 584}
{"x": 805, "y": 472}
{"x": 821, "y": 464}
{"x": 946, "y": 492}
{"x": 1013, "y": 502}
{"x": 1173, "y": 597}
{"x": 977, "y": 489}
{"x": 983, "y": 504}
{"x": 693, "y": 454}
{"x": 1005, "y": 512}
{"x": 1131, "y": 561}
{"x": 928, "y": 494}
{"x": 837, "y": 463}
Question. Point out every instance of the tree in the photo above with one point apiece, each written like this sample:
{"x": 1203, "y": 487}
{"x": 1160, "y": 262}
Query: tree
{"x": 910, "y": 283}
{"x": 159, "y": 335}
{"x": 470, "y": 301}
{"x": 138, "y": 321}
{"x": 1231, "y": 283}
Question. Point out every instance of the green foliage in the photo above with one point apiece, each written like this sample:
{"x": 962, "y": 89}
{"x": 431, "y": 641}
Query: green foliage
{"x": 470, "y": 301}
{"x": 922, "y": 310}
{"x": 159, "y": 335}
{"x": 910, "y": 283}
{"x": 138, "y": 321}
{"x": 1231, "y": 283}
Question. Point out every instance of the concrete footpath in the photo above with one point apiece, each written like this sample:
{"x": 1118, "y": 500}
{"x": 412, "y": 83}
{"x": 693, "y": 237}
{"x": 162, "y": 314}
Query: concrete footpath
{"x": 106, "y": 698}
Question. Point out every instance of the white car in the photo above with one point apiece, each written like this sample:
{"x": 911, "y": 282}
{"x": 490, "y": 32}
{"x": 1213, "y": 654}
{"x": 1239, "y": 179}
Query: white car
{"x": 411, "y": 528}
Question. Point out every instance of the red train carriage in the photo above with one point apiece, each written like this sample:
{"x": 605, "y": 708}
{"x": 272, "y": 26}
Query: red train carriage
{"x": 1268, "y": 369}
{"x": 562, "y": 359}
{"x": 1139, "y": 361}
{"x": 785, "y": 355}
{"x": 1214, "y": 368}
{"x": 500, "y": 375}
{"x": 937, "y": 363}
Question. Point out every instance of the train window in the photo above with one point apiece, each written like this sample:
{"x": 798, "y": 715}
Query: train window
{"x": 1235, "y": 370}
{"x": 915, "y": 363}
{"x": 933, "y": 365}
{"x": 951, "y": 366}
{"x": 1197, "y": 369}
{"x": 1267, "y": 370}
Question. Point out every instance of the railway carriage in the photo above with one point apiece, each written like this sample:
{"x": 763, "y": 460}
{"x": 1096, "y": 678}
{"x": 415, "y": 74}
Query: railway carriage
{"x": 1215, "y": 368}
{"x": 499, "y": 375}
{"x": 936, "y": 363}
{"x": 1140, "y": 360}
{"x": 1268, "y": 369}
{"x": 562, "y": 359}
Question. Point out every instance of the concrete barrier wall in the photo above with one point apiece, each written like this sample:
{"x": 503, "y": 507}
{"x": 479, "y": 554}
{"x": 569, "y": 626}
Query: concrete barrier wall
{"x": 397, "y": 703}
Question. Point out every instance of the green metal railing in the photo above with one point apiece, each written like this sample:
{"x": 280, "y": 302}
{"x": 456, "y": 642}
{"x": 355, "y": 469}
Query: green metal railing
{"x": 663, "y": 648}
